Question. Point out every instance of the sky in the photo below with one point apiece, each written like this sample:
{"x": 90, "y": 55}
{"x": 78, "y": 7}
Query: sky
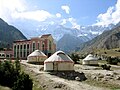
{"x": 69, "y": 13}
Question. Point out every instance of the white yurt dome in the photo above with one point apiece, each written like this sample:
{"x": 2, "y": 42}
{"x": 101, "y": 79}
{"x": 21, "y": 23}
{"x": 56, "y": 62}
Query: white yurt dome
{"x": 90, "y": 60}
{"x": 59, "y": 56}
{"x": 90, "y": 57}
{"x": 36, "y": 56}
{"x": 36, "y": 53}
{"x": 59, "y": 61}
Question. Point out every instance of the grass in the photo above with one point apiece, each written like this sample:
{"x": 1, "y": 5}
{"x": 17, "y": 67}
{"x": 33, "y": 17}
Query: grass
{"x": 106, "y": 52}
{"x": 110, "y": 52}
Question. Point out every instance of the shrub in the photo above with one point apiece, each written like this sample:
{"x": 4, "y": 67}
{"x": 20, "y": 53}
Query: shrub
{"x": 7, "y": 74}
{"x": 113, "y": 61}
{"x": 106, "y": 67}
{"x": 11, "y": 76}
{"x": 75, "y": 57}
{"x": 23, "y": 82}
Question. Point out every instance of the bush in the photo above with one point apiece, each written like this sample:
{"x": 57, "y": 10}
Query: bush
{"x": 11, "y": 76}
{"x": 106, "y": 67}
{"x": 75, "y": 57}
{"x": 113, "y": 61}
{"x": 7, "y": 74}
{"x": 23, "y": 82}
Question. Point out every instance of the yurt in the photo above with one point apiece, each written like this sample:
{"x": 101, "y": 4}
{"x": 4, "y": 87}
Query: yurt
{"x": 90, "y": 60}
{"x": 59, "y": 61}
{"x": 36, "y": 57}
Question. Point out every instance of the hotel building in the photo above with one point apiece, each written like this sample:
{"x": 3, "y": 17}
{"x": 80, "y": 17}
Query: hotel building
{"x": 45, "y": 43}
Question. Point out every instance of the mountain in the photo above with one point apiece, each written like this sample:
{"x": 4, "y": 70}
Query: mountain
{"x": 68, "y": 43}
{"x": 84, "y": 34}
{"x": 72, "y": 38}
{"x": 107, "y": 40}
{"x": 8, "y": 34}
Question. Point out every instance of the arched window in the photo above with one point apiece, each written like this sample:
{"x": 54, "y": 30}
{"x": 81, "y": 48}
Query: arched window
{"x": 43, "y": 47}
{"x": 50, "y": 45}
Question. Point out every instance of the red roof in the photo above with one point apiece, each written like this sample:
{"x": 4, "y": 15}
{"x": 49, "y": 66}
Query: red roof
{"x": 45, "y": 36}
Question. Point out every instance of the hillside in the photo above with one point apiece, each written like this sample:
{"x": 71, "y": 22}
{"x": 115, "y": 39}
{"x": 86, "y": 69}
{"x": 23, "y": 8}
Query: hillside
{"x": 107, "y": 40}
{"x": 68, "y": 43}
{"x": 8, "y": 34}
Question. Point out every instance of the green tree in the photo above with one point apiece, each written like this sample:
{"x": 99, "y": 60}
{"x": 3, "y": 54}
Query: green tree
{"x": 23, "y": 82}
{"x": 113, "y": 60}
{"x": 11, "y": 76}
{"x": 75, "y": 57}
{"x": 17, "y": 65}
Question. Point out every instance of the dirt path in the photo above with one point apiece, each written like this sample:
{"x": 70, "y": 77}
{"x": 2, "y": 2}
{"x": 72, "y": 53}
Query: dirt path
{"x": 74, "y": 85}
{"x": 51, "y": 82}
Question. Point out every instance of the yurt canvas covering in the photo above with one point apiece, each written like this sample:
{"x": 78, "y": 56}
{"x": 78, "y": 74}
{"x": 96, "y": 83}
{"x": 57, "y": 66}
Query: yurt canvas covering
{"x": 90, "y": 60}
{"x": 36, "y": 57}
{"x": 59, "y": 61}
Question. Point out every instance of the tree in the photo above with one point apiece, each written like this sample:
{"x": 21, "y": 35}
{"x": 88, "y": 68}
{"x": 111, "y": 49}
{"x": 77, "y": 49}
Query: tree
{"x": 23, "y": 82}
{"x": 75, "y": 57}
{"x": 113, "y": 60}
{"x": 17, "y": 65}
{"x": 11, "y": 76}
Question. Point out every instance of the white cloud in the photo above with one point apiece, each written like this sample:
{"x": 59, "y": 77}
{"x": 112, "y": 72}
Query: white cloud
{"x": 64, "y": 21}
{"x": 38, "y": 15}
{"x": 11, "y": 10}
{"x": 7, "y": 7}
{"x": 74, "y": 23}
{"x": 66, "y": 9}
{"x": 58, "y": 15}
{"x": 111, "y": 16}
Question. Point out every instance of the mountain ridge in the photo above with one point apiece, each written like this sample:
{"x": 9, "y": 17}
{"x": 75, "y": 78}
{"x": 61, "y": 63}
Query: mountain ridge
{"x": 107, "y": 40}
{"x": 8, "y": 34}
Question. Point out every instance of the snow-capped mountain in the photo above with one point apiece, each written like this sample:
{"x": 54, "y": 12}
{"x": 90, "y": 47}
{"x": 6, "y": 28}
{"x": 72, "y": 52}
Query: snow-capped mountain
{"x": 58, "y": 31}
{"x": 85, "y": 33}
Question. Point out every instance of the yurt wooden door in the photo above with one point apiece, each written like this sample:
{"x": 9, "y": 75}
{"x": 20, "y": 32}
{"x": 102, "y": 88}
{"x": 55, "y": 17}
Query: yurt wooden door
{"x": 55, "y": 66}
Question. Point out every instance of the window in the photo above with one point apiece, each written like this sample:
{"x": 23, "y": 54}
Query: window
{"x": 38, "y": 45}
{"x": 33, "y": 46}
{"x": 15, "y": 51}
{"x": 7, "y": 56}
{"x": 49, "y": 45}
{"x": 21, "y": 47}
{"x": 3, "y": 55}
{"x": 27, "y": 49}
{"x": 15, "y": 47}
{"x": 18, "y": 47}
{"x": 27, "y": 46}
{"x": 43, "y": 47}
{"x": 20, "y": 50}
{"x": 24, "y": 46}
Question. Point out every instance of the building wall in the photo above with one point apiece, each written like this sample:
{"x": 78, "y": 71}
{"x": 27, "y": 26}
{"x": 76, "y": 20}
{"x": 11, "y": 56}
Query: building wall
{"x": 36, "y": 59}
{"x": 44, "y": 43}
{"x": 65, "y": 66}
{"x": 57, "y": 66}
{"x": 6, "y": 54}
{"x": 48, "y": 66}
{"x": 90, "y": 62}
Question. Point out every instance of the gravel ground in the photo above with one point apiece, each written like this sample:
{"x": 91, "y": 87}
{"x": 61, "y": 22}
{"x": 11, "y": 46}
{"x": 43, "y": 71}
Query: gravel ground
{"x": 53, "y": 82}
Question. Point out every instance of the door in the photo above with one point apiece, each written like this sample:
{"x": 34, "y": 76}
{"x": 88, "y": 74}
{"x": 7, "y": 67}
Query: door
{"x": 55, "y": 66}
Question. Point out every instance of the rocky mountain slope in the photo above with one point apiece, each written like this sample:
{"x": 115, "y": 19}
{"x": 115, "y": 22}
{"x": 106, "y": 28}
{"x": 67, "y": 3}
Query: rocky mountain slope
{"x": 107, "y": 40}
{"x": 8, "y": 34}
